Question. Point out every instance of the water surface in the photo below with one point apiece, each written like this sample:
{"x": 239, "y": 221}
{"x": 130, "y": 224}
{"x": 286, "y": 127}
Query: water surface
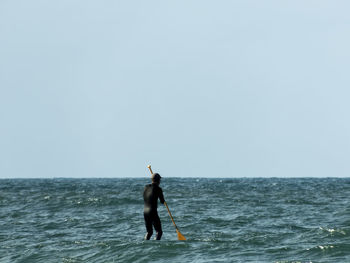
{"x": 224, "y": 220}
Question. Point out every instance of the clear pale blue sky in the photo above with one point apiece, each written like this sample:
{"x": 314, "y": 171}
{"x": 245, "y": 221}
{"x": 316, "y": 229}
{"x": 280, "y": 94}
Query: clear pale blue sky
{"x": 196, "y": 88}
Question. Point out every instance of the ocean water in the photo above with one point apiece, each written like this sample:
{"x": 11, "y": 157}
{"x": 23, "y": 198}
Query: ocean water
{"x": 224, "y": 220}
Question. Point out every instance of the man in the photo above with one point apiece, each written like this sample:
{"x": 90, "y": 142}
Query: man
{"x": 151, "y": 195}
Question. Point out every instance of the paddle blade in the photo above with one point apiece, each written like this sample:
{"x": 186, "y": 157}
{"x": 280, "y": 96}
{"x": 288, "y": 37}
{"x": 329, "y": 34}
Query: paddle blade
{"x": 179, "y": 235}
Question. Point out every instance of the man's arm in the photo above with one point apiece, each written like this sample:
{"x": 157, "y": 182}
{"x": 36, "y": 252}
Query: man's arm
{"x": 161, "y": 196}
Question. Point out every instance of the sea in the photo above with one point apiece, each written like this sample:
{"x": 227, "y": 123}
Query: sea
{"x": 280, "y": 220}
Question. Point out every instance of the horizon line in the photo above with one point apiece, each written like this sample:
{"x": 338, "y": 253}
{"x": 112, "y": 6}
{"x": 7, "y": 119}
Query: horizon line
{"x": 182, "y": 177}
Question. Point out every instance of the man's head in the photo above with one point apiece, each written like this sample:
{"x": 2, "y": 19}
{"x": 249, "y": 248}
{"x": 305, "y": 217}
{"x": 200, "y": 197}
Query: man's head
{"x": 156, "y": 178}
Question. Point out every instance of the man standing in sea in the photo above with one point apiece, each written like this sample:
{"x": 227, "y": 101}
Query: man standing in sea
{"x": 151, "y": 195}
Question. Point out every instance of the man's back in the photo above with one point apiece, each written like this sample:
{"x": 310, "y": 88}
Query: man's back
{"x": 150, "y": 196}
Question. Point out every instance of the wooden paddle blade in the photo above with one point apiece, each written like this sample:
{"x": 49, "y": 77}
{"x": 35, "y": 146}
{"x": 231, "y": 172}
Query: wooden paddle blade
{"x": 179, "y": 235}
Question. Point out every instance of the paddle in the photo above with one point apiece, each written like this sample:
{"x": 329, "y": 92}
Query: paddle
{"x": 179, "y": 235}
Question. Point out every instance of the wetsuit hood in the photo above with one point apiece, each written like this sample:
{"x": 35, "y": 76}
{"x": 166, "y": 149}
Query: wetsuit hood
{"x": 156, "y": 178}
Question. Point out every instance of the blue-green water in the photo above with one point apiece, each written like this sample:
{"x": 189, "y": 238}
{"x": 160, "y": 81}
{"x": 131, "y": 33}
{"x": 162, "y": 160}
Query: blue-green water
{"x": 224, "y": 220}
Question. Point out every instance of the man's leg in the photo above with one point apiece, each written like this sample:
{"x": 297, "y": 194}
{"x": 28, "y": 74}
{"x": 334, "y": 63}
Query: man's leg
{"x": 158, "y": 227}
{"x": 148, "y": 223}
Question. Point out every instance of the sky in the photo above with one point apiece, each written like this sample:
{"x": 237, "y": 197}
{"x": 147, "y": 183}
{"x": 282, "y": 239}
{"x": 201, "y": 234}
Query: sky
{"x": 195, "y": 88}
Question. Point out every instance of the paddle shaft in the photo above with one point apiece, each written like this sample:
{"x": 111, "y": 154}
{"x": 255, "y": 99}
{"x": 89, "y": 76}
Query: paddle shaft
{"x": 150, "y": 169}
{"x": 172, "y": 219}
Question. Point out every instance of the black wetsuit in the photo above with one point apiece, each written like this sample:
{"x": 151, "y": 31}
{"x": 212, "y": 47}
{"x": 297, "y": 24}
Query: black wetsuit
{"x": 150, "y": 195}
